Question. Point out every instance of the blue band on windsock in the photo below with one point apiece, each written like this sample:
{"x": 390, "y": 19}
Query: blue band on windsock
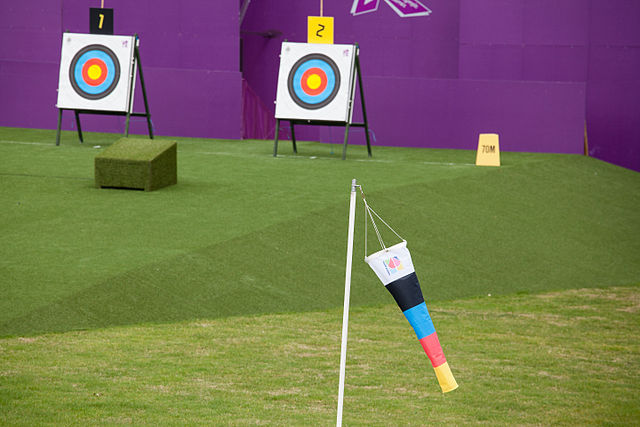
{"x": 420, "y": 320}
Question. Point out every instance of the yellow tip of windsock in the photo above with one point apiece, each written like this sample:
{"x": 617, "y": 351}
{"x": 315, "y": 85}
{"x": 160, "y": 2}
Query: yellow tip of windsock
{"x": 445, "y": 378}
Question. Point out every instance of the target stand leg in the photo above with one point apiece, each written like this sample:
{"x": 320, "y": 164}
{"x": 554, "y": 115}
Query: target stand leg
{"x": 126, "y": 126}
{"x": 293, "y": 138}
{"x": 346, "y": 138}
{"x": 275, "y": 142}
{"x": 366, "y": 133}
{"x": 59, "y": 126}
{"x": 364, "y": 109}
{"x": 78, "y": 125}
{"x": 144, "y": 92}
{"x": 149, "y": 126}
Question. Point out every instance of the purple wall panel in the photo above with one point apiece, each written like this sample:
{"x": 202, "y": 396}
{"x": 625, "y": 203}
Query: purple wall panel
{"x": 614, "y": 63}
{"x": 613, "y": 86}
{"x": 259, "y": 67}
{"x": 17, "y": 107}
{"x": 491, "y": 21}
{"x": 556, "y": 22}
{"x": 555, "y": 63}
{"x": 384, "y": 62}
{"x": 615, "y": 22}
{"x": 30, "y": 31}
{"x": 42, "y": 15}
{"x": 30, "y": 46}
{"x": 189, "y": 50}
{"x": 612, "y": 122}
{"x": 491, "y": 40}
{"x": 393, "y": 46}
{"x": 494, "y": 62}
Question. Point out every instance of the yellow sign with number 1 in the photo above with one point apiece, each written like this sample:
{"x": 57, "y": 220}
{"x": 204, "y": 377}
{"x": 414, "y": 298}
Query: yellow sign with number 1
{"x": 320, "y": 29}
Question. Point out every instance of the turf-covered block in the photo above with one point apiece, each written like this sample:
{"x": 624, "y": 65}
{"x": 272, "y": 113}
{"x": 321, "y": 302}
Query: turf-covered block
{"x": 143, "y": 164}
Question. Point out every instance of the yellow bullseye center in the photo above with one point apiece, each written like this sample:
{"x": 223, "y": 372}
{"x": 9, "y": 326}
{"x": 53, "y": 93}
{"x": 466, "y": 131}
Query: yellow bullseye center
{"x": 94, "y": 72}
{"x": 314, "y": 81}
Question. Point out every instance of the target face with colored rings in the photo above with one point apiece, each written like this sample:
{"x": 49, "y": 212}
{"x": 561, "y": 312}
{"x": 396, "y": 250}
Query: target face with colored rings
{"x": 313, "y": 81}
{"x": 94, "y": 71}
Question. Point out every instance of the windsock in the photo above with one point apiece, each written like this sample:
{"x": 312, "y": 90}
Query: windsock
{"x": 394, "y": 268}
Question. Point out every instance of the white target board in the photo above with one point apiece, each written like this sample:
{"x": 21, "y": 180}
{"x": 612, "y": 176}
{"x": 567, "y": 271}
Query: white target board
{"x": 315, "y": 81}
{"x": 96, "y": 72}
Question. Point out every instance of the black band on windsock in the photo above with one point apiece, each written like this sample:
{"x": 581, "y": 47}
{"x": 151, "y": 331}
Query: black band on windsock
{"x": 406, "y": 291}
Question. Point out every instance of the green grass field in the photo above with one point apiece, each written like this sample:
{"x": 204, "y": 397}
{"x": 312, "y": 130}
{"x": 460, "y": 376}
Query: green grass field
{"x": 562, "y": 358}
{"x": 218, "y": 300}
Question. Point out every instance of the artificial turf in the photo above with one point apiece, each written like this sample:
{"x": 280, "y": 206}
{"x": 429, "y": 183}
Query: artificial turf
{"x": 244, "y": 233}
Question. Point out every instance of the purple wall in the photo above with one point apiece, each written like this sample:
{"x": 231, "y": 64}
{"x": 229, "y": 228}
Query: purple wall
{"x": 613, "y": 82}
{"x": 189, "y": 53}
{"x": 531, "y": 70}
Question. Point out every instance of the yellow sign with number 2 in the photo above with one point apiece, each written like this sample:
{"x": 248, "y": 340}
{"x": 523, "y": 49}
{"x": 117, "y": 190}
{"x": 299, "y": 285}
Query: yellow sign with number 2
{"x": 320, "y": 29}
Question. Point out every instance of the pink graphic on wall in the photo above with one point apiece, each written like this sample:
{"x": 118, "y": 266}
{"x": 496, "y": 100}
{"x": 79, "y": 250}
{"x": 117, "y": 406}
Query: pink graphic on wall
{"x": 404, "y": 8}
{"x": 364, "y": 6}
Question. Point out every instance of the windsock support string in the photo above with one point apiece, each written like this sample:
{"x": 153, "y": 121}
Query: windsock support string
{"x": 369, "y": 212}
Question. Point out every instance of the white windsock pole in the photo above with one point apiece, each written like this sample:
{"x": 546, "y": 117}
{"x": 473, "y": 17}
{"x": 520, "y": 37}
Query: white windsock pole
{"x": 347, "y": 291}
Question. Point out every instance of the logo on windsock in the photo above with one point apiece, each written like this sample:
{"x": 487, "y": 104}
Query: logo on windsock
{"x": 393, "y": 265}
{"x": 394, "y": 268}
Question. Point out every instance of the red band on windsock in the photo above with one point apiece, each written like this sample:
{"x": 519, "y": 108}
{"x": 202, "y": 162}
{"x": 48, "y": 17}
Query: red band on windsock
{"x": 432, "y": 347}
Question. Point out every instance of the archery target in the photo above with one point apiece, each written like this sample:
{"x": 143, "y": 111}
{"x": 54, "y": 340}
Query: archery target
{"x": 315, "y": 82}
{"x": 95, "y": 72}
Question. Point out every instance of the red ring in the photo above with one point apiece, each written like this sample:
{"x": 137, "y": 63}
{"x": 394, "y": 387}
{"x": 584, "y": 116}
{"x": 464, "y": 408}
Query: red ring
{"x": 85, "y": 71}
{"x": 323, "y": 81}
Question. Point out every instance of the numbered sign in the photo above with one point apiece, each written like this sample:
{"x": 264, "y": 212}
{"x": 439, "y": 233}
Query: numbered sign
{"x": 315, "y": 81}
{"x": 96, "y": 72}
{"x": 320, "y": 29}
{"x": 100, "y": 21}
{"x": 488, "y": 150}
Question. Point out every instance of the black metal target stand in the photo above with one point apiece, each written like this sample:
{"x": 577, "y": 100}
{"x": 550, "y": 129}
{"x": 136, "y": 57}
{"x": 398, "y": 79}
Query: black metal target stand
{"x": 128, "y": 113}
{"x": 346, "y": 124}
